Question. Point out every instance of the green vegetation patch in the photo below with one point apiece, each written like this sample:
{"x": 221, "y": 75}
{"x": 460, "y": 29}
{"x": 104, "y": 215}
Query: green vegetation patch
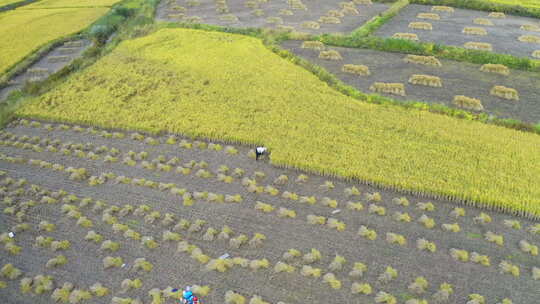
{"x": 231, "y": 87}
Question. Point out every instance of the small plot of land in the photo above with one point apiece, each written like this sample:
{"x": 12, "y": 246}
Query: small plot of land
{"x": 313, "y": 16}
{"x": 501, "y": 32}
{"x": 129, "y": 196}
{"x": 49, "y": 64}
{"x": 456, "y": 78}
{"x": 24, "y": 31}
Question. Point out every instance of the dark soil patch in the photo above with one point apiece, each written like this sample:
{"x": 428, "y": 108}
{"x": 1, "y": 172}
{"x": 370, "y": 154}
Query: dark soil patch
{"x": 61, "y": 57}
{"x": 246, "y": 19}
{"x": 177, "y": 269}
{"x": 503, "y": 35}
{"x": 458, "y": 78}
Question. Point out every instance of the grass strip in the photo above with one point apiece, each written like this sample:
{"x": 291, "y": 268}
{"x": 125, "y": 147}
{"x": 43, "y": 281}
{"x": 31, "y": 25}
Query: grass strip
{"x": 376, "y": 22}
{"x": 522, "y": 8}
{"x": 250, "y": 95}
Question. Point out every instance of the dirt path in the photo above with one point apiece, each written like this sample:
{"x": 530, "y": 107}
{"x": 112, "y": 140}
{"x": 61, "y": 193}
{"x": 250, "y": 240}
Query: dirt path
{"x": 173, "y": 268}
{"x": 207, "y": 11}
{"x": 51, "y": 63}
{"x": 458, "y": 78}
{"x": 502, "y": 35}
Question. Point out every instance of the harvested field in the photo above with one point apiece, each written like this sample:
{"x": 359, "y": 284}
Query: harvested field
{"x": 458, "y": 78}
{"x": 46, "y": 65}
{"x": 461, "y": 26}
{"x": 329, "y": 16}
{"x": 414, "y": 239}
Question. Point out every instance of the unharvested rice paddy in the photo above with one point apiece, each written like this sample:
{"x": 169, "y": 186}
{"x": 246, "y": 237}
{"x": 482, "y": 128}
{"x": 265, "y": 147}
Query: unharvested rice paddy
{"x": 39, "y": 27}
{"x": 312, "y": 16}
{"x": 464, "y": 26}
{"x": 138, "y": 214}
{"x": 7, "y": 2}
{"x": 457, "y": 78}
{"x": 387, "y": 145}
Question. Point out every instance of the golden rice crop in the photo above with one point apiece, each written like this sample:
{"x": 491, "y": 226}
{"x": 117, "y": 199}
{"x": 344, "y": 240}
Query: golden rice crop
{"x": 311, "y": 25}
{"x": 39, "y": 27}
{"x": 505, "y": 93}
{"x": 497, "y": 15}
{"x": 482, "y": 21}
{"x": 530, "y": 27}
{"x": 495, "y": 68}
{"x": 69, "y": 3}
{"x": 529, "y": 38}
{"x": 425, "y": 80}
{"x": 482, "y": 46}
{"x": 468, "y": 103}
{"x": 165, "y": 67}
{"x": 421, "y": 26}
{"x": 361, "y": 70}
{"x": 474, "y": 31}
{"x": 329, "y": 20}
{"x": 330, "y": 55}
{"x": 316, "y": 45}
{"x": 425, "y": 60}
{"x": 407, "y": 36}
{"x": 441, "y": 8}
{"x": 389, "y": 88}
{"x": 430, "y": 16}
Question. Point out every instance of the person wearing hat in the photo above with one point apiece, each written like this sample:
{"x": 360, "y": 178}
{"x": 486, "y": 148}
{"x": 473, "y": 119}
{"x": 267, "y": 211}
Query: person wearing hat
{"x": 260, "y": 151}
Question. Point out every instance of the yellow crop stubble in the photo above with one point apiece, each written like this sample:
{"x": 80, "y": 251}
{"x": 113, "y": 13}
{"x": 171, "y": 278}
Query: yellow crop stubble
{"x": 230, "y": 87}
{"x": 23, "y": 31}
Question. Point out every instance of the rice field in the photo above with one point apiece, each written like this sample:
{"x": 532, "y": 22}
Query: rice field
{"x": 395, "y": 147}
{"x": 7, "y": 2}
{"x": 107, "y": 216}
{"x": 39, "y": 27}
{"x": 49, "y": 64}
{"x": 135, "y": 172}
{"x": 450, "y": 79}
{"x": 493, "y": 32}
{"x": 314, "y": 16}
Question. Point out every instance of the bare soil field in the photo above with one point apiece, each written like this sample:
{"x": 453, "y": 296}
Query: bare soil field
{"x": 49, "y": 64}
{"x": 271, "y": 14}
{"x": 122, "y": 193}
{"x": 503, "y": 33}
{"x": 457, "y": 78}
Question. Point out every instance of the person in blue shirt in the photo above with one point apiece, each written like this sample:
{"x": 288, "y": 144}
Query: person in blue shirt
{"x": 187, "y": 296}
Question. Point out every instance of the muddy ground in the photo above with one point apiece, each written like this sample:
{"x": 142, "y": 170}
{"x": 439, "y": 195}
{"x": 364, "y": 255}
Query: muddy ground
{"x": 51, "y": 66}
{"x": 315, "y": 9}
{"x": 503, "y": 35}
{"x": 178, "y": 269}
{"x": 458, "y": 78}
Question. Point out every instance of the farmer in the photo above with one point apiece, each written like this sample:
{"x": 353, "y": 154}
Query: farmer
{"x": 259, "y": 151}
{"x": 187, "y": 296}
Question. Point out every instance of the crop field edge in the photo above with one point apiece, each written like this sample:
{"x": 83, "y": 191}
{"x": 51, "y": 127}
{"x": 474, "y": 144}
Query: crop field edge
{"x": 110, "y": 20}
{"x": 483, "y": 5}
{"x": 272, "y": 43}
{"x": 15, "y": 5}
